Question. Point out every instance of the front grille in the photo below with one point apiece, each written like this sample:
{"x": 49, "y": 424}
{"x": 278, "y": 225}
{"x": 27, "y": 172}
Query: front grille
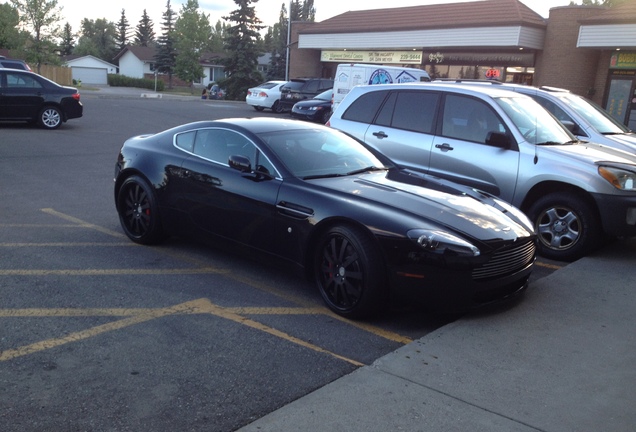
{"x": 506, "y": 261}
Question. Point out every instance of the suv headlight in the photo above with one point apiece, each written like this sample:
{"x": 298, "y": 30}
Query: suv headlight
{"x": 619, "y": 178}
{"x": 440, "y": 242}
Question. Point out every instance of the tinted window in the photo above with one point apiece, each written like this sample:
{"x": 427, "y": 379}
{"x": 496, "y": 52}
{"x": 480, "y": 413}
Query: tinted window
{"x": 16, "y": 80}
{"x": 469, "y": 119}
{"x": 365, "y": 107}
{"x": 185, "y": 141}
{"x": 415, "y": 111}
{"x": 293, "y": 85}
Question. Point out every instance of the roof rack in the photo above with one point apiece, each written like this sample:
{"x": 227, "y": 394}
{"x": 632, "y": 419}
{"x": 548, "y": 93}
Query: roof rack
{"x": 477, "y": 80}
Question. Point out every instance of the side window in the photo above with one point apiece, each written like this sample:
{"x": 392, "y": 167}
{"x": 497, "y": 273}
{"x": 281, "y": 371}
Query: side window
{"x": 21, "y": 81}
{"x": 365, "y": 107}
{"x": 216, "y": 144}
{"x": 415, "y": 111}
{"x": 185, "y": 141}
{"x": 554, "y": 109}
{"x": 469, "y": 119}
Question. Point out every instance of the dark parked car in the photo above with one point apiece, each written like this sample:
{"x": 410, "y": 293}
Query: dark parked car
{"x": 27, "y": 96}
{"x": 317, "y": 109}
{"x": 14, "y": 64}
{"x": 362, "y": 229}
{"x": 302, "y": 88}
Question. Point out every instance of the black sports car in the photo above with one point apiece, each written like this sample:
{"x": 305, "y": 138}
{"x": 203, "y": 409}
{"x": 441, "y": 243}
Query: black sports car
{"x": 362, "y": 228}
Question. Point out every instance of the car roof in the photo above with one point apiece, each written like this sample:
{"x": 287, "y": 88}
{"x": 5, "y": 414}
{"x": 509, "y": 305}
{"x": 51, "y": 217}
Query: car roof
{"x": 491, "y": 91}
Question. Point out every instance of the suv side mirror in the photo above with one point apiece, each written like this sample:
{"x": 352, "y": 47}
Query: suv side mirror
{"x": 498, "y": 139}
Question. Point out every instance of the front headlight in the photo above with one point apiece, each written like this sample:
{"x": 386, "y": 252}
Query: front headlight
{"x": 441, "y": 242}
{"x": 619, "y": 178}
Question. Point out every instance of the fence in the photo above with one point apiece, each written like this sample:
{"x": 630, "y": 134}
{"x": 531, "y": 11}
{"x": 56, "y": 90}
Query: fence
{"x": 59, "y": 74}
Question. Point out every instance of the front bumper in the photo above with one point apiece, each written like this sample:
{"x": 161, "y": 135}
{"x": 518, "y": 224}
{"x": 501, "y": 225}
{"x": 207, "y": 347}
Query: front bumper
{"x": 618, "y": 214}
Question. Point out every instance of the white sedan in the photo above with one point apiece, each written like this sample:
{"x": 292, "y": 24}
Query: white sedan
{"x": 265, "y": 95}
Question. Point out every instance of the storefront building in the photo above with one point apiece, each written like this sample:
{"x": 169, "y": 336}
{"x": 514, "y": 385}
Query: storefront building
{"x": 588, "y": 50}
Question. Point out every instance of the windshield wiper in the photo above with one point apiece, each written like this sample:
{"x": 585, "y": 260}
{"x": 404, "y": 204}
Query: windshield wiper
{"x": 555, "y": 143}
{"x": 319, "y": 176}
{"x": 366, "y": 169}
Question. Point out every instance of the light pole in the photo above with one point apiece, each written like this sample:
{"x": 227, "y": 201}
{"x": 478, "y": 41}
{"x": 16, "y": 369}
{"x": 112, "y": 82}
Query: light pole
{"x": 288, "y": 43}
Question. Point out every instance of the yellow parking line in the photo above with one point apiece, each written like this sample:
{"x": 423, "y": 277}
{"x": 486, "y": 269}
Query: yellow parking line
{"x": 200, "y": 306}
{"x": 68, "y": 244}
{"x": 546, "y": 265}
{"x": 82, "y": 223}
{"x": 111, "y": 272}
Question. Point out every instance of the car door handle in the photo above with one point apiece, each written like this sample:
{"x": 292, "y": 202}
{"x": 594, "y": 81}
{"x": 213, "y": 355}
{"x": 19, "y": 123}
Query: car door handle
{"x": 444, "y": 147}
{"x": 380, "y": 135}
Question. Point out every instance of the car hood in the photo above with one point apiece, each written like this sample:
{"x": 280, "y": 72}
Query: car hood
{"x": 590, "y": 152}
{"x": 626, "y": 141}
{"x": 476, "y": 215}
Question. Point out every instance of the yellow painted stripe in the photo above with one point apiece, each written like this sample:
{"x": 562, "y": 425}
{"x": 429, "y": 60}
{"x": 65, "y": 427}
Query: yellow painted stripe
{"x": 82, "y": 223}
{"x": 69, "y": 244}
{"x": 111, "y": 272}
{"x": 546, "y": 265}
{"x": 200, "y": 306}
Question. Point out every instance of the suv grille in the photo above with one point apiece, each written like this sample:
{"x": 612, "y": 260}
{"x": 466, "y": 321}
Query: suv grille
{"x": 506, "y": 261}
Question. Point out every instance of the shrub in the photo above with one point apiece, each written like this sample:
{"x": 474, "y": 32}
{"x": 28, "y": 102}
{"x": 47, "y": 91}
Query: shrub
{"x": 116, "y": 80}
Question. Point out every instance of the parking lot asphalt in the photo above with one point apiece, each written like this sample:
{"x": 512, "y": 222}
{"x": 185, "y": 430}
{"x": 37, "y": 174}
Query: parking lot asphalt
{"x": 560, "y": 360}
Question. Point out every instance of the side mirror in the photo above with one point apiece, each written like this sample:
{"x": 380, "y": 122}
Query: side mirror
{"x": 240, "y": 163}
{"x": 498, "y": 139}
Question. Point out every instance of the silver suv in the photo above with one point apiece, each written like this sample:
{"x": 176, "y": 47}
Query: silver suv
{"x": 586, "y": 120}
{"x": 504, "y": 143}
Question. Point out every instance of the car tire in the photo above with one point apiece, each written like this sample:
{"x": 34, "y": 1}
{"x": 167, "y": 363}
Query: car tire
{"x": 139, "y": 212}
{"x": 567, "y": 225}
{"x": 259, "y": 108}
{"x": 350, "y": 273}
{"x": 50, "y": 117}
{"x": 277, "y": 108}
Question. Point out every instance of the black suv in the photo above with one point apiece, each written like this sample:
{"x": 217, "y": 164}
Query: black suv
{"x": 13, "y": 64}
{"x": 302, "y": 88}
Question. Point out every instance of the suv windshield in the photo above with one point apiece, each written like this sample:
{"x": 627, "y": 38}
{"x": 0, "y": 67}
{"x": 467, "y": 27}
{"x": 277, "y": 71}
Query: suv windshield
{"x": 534, "y": 122}
{"x": 595, "y": 115}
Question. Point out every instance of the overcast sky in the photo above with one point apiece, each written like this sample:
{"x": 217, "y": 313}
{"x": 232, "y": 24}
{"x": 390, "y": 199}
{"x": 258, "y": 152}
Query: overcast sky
{"x": 73, "y": 11}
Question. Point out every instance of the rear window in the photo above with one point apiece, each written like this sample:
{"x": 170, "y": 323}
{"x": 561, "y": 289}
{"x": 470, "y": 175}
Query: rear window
{"x": 267, "y": 85}
{"x": 364, "y": 108}
{"x": 293, "y": 85}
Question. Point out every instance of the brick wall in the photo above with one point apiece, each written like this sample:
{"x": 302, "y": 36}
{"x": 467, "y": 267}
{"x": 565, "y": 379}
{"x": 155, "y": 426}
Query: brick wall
{"x": 562, "y": 63}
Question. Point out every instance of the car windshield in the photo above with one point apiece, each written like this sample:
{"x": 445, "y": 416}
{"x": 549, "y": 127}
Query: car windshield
{"x": 595, "y": 115}
{"x": 534, "y": 122}
{"x": 326, "y": 95}
{"x": 320, "y": 152}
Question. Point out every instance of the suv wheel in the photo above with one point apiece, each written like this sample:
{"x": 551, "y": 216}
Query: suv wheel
{"x": 567, "y": 226}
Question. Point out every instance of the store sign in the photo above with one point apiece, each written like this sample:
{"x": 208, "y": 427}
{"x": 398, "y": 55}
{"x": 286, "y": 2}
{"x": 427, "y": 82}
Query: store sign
{"x": 381, "y": 57}
{"x": 483, "y": 59}
{"x": 623, "y": 60}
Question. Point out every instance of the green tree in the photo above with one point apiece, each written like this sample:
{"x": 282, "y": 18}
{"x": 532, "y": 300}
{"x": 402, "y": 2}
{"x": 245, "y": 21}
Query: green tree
{"x": 192, "y": 33}
{"x": 242, "y": 43}
{"x": 41, "y": 19}
{"x": 68, "y": 40}
{"x": 608, "y": 3}
{"x": 98, "y": 38}
{"x": 145, "y": 34}
{"x": 123, "y": 31}
{"x": 276, "y": 45}
{"x": 165, "y": 59}
{"x": 10, "y": 36}
{"x": 219, "y": 31}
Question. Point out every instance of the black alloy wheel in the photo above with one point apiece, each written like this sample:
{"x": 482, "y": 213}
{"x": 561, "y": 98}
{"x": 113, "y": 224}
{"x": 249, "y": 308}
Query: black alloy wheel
{"x": 349, "y": 272}
{"x": 138, "y": 211}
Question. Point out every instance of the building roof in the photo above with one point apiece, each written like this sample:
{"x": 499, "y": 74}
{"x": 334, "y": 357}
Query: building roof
{"x": 620, "y": 14}
{"x": 143, "y": 53}
{"x": 482, "y": 13}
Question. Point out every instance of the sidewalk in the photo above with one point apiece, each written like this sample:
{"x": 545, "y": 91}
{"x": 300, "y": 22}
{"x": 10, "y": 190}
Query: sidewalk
{"x": 562, "y": 359}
